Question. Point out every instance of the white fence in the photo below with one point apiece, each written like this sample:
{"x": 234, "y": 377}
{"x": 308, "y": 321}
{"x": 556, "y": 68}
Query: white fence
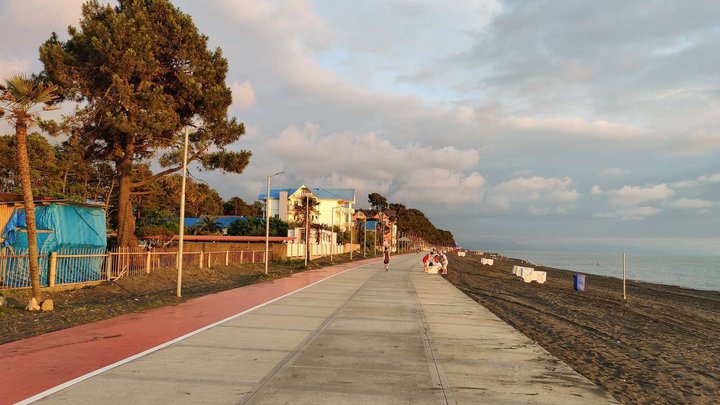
{"x": 295, "y": 250}
{"x": 80, "y": 266}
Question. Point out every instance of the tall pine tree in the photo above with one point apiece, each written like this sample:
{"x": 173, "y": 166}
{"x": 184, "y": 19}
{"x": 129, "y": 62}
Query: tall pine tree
{"x": 141, "y": 73}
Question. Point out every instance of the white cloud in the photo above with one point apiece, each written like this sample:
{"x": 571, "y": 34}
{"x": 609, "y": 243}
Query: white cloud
{"x": 600, "y": 128}
{"x": 40, "y": 14}
{"x": 628, "y": 196}
{"x": 410, "y": 172}
{"x": 243, "y": 95}
{"x": 699, "y": 181}
{"x": 692, "y": 204}
{"x": 613, "y": 172}
{"x": 596, "y": 190}
{"x": 555, "y": 191}
{"x": 440, "y": 186}
{"x": 699, "y": 142}
{"x": 632, "y": 213}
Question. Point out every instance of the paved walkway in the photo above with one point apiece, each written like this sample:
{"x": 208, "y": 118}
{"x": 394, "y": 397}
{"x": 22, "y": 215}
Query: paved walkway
{"x": 362, "y": 337}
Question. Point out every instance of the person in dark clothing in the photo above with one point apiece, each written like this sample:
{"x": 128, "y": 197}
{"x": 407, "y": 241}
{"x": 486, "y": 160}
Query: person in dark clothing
{"x": 386, "y": 260}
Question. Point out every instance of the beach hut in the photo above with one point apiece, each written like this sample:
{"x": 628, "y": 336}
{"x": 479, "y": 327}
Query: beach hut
{"x": 63, "y": 227}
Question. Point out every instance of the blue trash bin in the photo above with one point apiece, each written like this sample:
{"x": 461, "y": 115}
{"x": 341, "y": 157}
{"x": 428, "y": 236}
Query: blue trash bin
{"x": 579, "y": 282}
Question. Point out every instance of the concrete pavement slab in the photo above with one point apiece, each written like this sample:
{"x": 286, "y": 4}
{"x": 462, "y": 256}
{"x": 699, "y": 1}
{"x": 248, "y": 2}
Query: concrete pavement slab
{"x": 365, "y": 336}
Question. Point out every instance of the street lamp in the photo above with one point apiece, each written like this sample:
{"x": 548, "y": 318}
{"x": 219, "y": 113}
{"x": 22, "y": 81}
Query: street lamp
{"x": 182, "y": 218}
{"x": 332, "y": 227}
{"x": 267, "y": 220}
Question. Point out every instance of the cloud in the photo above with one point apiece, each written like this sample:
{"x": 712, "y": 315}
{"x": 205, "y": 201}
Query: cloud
{"x": 555, "y": 191}
{"x": 699, "y": 142}
{"x": 628, "y": 196}
{"x": 410, "y": 172}
{"x": 26, "y": 13}
{"x": 243, "y": 95}
{"x": 613, "y": 172}
{"x": 440, "y": 186}
{"x": 580, "y": 126}
{"x": 596, "y": 190}
{"x": 692, "y": 204}
{"x": 699, "y": 181}
{"x": 632, "y": 213}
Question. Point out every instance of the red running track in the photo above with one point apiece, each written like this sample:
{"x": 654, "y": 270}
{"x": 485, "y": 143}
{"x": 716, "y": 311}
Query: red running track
{"x": 33, "y": 365}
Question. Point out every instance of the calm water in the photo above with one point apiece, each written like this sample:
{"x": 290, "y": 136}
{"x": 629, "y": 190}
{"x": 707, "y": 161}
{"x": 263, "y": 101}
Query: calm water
{"x": 699, "y": 272}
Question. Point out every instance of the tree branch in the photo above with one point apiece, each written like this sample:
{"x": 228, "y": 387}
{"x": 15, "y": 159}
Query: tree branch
{"x": 165, "y": 172}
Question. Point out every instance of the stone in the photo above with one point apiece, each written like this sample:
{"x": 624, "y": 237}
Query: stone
{"x": 3, "y": 301}
{"x": 47, "y": 305}
{"x": 32, "y": 305}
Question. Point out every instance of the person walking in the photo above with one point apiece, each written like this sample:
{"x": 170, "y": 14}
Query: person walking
{"x": 386, "y": 260}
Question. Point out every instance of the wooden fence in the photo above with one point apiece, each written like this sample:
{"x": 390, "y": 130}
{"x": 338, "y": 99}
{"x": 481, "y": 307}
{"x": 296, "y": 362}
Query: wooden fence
{"x": 82, "y": 266}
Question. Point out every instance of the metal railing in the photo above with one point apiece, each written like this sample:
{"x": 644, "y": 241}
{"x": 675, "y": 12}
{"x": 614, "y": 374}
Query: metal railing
{"x": 89, "y": 265}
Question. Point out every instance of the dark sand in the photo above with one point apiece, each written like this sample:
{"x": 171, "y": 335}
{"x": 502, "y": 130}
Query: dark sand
{"x": 662, "y": 346}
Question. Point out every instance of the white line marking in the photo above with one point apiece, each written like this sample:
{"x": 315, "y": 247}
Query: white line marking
{"x": 166, "y": 344}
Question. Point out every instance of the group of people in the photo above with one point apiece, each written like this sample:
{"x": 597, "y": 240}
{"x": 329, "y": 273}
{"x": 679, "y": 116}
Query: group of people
{"x": 435, "y": 258}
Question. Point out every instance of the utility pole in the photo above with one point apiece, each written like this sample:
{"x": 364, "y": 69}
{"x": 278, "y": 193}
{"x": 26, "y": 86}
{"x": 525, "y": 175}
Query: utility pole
{"x": 624, "y": 294}
{"x": 182, "y": 218}
{"x": 267, "y": 220}
{"x": 307, "y": 228}
{"x": 364, "y": 237}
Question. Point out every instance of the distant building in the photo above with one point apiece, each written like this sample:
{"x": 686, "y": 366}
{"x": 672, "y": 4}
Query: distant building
{"x": 382, "y": 221}
{"x": 224, "y": 221}
{"x": 335, "y": 205}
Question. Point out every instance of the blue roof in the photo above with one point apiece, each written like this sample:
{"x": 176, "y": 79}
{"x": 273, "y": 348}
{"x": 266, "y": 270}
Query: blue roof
{"x": 224, "y": 221}
{"x": 347, "y": 194}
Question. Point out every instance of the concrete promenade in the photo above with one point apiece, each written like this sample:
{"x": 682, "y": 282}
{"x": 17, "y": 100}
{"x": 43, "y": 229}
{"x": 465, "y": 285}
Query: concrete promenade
{"x": 362, "y": 337}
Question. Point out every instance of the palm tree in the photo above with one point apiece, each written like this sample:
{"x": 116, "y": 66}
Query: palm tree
{"x": 207, "y": 225}
{"x": 306, "y": 205}
{"x": 19, "y": 95}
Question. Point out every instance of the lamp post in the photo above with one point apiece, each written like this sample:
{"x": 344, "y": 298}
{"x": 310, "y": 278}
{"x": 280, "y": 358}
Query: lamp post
{"x": 267, "y": 220}
{"x": 332, "y": 231}
{"x": 364, "y": 237}
{"x": 307, "y": 225}
{"x": 332, "y": 227}
{"x": 182, "y": 218}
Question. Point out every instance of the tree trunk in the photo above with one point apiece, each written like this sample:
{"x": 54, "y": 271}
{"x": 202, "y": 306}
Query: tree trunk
{"x": 126, "y": 219}
{"x": 24, "y": 168}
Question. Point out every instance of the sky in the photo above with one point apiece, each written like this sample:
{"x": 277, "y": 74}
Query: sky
{"x": 520, "y": 125}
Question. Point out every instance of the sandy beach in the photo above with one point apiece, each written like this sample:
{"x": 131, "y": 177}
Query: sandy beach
{"x": 661, "y": 346}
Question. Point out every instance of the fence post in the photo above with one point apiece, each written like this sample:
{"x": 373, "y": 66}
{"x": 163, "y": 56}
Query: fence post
{"x": 227, "y": 257}
{"x": 241, "y": 256}
{"x": 209, "y": 259}
{"x": 147, "y": 263}
{"x": 108, "y": 265}
{"x": 53, "y": 268}
{"x": 201, "y": 259}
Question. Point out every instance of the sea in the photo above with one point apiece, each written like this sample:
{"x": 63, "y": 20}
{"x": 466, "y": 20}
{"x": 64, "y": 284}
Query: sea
{"x": 698, "y": 272}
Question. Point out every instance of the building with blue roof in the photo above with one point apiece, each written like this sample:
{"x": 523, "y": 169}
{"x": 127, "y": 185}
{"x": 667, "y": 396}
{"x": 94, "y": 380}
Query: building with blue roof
{"x": 335, "y": 205}
{"x": 225, "y": 221}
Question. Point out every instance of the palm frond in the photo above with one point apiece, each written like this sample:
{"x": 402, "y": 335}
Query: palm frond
{"x": 24, "y": 91}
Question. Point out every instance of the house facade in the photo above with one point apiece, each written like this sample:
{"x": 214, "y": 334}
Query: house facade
{"x": 381, "y": 222}
{"x": 335, "y": 205}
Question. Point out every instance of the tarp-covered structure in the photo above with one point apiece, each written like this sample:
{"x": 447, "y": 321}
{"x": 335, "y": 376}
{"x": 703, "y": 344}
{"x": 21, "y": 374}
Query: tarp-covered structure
{"x": 63, "y": 227}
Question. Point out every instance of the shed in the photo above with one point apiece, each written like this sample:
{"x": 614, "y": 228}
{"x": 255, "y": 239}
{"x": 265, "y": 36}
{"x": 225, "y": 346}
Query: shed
{"x": 62, "y": 226}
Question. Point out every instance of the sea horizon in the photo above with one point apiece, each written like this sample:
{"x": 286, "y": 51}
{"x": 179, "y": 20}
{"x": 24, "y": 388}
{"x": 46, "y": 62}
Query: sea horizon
{"x": 700, "y": 272}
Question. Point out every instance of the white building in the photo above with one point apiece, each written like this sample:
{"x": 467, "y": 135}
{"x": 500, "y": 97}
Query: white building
{"x": 335, "y": 205}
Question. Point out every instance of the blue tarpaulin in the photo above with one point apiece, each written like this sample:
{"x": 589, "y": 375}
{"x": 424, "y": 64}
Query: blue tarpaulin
{"x": 61, "y": 228}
